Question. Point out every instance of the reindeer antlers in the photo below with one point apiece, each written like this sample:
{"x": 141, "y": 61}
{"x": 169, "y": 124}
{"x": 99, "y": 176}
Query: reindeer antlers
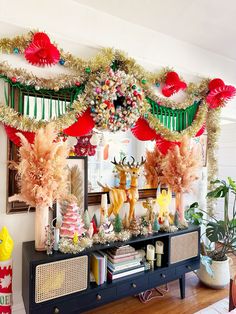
{"x": 120, "y": 163}
{"x": 138, "y": 165}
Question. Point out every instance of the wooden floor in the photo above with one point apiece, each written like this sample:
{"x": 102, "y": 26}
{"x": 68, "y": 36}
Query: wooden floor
{"x": 197, "y": 297}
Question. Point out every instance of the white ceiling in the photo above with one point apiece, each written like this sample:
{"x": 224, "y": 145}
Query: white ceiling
{"x": 209, "y": 24}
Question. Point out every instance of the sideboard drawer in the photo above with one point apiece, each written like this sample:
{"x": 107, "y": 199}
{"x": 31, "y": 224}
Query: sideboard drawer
{"x": 190, "y": 266}
{"x": 159, "y": 277}
{"x": 99, "y": 296}
{"x": 132, "y": 286}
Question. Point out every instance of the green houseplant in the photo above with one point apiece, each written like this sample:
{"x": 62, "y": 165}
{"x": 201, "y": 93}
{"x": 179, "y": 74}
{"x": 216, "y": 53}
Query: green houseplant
{"x": 222, "y": 233}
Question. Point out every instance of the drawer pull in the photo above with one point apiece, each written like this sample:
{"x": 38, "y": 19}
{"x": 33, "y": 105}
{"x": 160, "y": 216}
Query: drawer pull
{"x": 189, "y": 267}
{"x": 134, "y": 285}
{"x": 98, "y": 297}
{"x": 56, "y": 310}
{"x": 163, "y": 275}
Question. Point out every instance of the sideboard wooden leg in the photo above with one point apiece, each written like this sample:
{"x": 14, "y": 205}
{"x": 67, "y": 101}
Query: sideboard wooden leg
{"x": 182, "y": 286}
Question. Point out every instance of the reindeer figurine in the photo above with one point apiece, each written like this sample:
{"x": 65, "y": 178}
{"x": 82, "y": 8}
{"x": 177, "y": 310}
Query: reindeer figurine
{"x": 120, "y": 195}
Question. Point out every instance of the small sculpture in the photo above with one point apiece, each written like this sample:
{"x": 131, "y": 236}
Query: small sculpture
{"x": 164, "y": 200}
{"x": 149, "y": 205}
{"x": 134, "y": 227}
{"x": 120, "y": 195}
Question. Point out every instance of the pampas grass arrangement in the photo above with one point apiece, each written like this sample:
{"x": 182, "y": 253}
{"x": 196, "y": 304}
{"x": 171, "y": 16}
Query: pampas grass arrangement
{"x": 180, "y": 169}
{"x": 153, "y": 167}
{"x": 42, "y": 177}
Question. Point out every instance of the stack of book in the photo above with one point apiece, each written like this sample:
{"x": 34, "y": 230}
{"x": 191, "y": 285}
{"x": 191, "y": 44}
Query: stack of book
{"x": 123, "y": 261}
{"x": 99, "y": 267}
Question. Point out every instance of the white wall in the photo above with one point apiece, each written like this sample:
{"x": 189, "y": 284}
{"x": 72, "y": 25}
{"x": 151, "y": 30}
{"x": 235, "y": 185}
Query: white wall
{"x": 69, "y": 24}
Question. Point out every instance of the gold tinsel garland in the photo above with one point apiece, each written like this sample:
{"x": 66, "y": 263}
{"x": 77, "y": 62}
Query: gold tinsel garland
{"x": 86, "y": 69}
{"x": 10, "y": 117}
{"x": 177, "y": 136}
{"x": 213, "y": 132}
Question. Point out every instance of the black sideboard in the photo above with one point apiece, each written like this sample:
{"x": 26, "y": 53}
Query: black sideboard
{"x": 181, "y": 255}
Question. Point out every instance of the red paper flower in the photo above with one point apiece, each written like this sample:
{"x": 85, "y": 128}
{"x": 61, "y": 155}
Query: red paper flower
{"x": 11, "y": 133}
{"x": 172, "y": 84}
{"x": 41, "y": 52}
{"x": 142, "y": 130}
{"x": 219, "y": 93}
{"x": 84, "y": 125}
{"x": 164, "y": 145}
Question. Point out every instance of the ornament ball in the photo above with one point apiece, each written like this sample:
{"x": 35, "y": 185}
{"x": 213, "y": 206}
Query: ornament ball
{"x": 62, "y": 61}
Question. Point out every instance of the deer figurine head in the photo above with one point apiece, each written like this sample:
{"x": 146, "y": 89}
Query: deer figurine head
{"x": 121, "y": 167}
{"x": 134, "y": 168}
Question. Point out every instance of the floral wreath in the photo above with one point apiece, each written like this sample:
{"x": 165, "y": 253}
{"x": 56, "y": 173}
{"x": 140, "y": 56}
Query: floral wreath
{"x": 115, "y": 100}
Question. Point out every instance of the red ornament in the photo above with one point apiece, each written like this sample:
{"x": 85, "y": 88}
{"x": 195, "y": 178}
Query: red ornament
{"x": 219, "y": 93}
{"x": 164, "y": 145}
{"x": 14, "y": 79}
{"x": 84, "y": 147}
{"x": 41, "y": 52}
{"x": 173, "y": 84}
{"x": 11, "y": 133}
{"x": 84, "y": 125}
{"x": 201, "y": 130}
{"x": 142, "y": 131}
{"x": 77, "y": 84}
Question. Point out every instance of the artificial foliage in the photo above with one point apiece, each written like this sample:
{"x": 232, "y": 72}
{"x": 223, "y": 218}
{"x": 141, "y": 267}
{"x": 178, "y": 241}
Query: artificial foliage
{"x": 152, "y": 167}
{"x": 86, "y": 219}
{"x": 42, "y": 175}
{"x": 117, "y": 224}
{"x": 156, "y": 226}
{"x": 181, "y": 166}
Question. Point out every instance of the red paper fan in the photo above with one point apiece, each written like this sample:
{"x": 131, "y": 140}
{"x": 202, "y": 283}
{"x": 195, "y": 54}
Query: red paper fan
{"x": 201, "y": 130}
{"x": 11, "y": 133}
{"x": 219, "y": 93}
{"x": 41, "y": 52}
{"x": 172, "y": 84}
{"x": 142, "y": 130}
{"x": 164, "y": 145}
{"x": 84, "y": 125}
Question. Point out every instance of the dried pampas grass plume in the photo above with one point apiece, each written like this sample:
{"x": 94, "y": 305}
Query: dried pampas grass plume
{"x": 181, "y": 166}
{"x": 42, "y": 178}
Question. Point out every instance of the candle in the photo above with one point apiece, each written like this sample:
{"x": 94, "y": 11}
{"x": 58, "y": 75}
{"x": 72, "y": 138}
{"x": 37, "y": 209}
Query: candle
{"x": 150, "y": 252}
{"x": 159, "y": 247}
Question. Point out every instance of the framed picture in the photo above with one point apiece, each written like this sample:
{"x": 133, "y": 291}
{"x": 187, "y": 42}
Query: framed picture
{"x": 77, "y": 183}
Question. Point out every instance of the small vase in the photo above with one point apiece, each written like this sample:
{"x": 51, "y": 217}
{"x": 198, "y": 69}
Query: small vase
{"x": 179, "y": 204}
{"x": 41, "y": 221}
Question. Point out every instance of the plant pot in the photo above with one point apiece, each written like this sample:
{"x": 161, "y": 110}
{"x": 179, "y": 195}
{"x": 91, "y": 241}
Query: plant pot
{"x": 41, "y": 221}
{"x": 221, "y": 274}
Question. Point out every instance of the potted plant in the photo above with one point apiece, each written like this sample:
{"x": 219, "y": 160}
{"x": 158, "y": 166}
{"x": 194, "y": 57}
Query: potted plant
{"x": 214, "y": 270}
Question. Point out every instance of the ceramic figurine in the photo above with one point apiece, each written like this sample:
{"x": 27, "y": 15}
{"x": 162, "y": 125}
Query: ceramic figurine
{"x": 90, "y": 231}
{"x": 164, "y": 200}
{"x": 122, "y": 194}
{"x": 149, "y": 205}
